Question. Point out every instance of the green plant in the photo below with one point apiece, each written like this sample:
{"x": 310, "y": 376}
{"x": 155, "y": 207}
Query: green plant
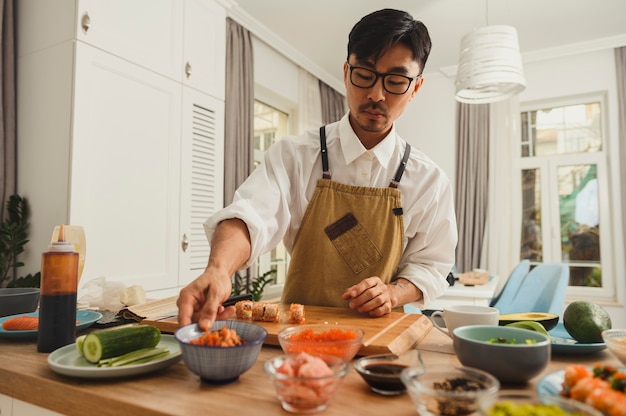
{"x": 255, "y": 286}
{"x": 13, "y": 236}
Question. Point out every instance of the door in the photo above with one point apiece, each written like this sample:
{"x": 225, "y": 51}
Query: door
{"x": 125, "y": 169}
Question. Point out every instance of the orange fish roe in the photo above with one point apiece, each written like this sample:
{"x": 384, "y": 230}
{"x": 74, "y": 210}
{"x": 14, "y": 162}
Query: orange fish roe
{"x": 223, "y": 337}
{"x": 334, "y": 334}
{"x": 337, "y": 342}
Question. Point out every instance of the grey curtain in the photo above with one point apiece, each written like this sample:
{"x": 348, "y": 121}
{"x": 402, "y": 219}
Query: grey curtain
{"x": 620, "y": 68}
{"x": 333, "y": 104}
{"x": 239, "y": 109}
{"x": 8, "y": 138}
{"x": 472, "y": 182}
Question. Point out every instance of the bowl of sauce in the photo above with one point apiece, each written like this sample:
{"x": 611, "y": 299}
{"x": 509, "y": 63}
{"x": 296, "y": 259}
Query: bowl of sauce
{"x": 382, "y": 372}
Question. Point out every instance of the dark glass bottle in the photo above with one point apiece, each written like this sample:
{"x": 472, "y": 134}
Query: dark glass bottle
{"x": 57, "y": 304}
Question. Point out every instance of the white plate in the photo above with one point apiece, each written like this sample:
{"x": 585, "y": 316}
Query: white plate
{"x": 565, "y": 344}
{"x": 551, "y": 384}
{"x": 85, "y": 319}
{"x": 68, "y": 361}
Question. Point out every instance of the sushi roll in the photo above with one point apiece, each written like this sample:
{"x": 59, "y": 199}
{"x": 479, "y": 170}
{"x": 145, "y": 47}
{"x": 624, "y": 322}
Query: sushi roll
{"x": 243, "y": 309}
{"x": 258, "y": 309}
{"x": 296, "y": 313}
{"x": 270, "y": 312}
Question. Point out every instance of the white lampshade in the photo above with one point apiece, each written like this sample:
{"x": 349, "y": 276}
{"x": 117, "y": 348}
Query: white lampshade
{"x": 490, "y": 66}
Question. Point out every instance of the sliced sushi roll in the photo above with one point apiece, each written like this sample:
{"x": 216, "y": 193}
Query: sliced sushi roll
{"x": 243, "y": 309}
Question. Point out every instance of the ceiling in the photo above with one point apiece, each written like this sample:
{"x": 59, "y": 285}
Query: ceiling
{"x": 318, "y": 29}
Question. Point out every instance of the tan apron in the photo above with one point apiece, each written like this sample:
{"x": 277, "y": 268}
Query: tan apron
{"x": 348, "y": 233}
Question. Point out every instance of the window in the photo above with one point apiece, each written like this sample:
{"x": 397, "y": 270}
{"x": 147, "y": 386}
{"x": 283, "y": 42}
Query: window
{"x": 270, "y": 124}
{"x": 565, "y": 191}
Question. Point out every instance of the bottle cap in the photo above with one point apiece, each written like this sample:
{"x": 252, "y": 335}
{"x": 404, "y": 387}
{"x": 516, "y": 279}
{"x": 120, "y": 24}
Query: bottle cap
{"x": 61, "y": 246}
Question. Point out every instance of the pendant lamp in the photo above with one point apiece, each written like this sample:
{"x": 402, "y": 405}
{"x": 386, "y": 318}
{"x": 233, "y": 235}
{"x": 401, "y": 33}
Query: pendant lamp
{"x": 490, "y": 66}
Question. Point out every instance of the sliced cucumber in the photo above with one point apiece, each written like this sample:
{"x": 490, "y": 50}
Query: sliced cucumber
{"x": 79, "y": 343}
{"x": 119, "y": 341}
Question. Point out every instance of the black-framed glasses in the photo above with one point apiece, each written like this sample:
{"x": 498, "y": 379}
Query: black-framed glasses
{"x": 392, "y": 83}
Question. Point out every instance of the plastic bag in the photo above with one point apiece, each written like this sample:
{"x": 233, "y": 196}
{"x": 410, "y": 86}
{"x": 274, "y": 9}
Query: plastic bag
{"x": 102, "y": 294}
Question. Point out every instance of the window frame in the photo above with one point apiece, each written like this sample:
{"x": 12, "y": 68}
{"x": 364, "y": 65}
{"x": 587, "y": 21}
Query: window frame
{"x": 548, "y": 166}
{"x": 270, "y": 98}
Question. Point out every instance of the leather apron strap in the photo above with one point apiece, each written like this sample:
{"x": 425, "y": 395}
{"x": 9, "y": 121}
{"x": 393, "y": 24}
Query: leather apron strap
{"x": 348, "y": 233}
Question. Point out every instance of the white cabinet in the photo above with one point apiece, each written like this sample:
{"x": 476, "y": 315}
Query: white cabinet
{"x": 146, "y": 32}
{"x": 114, "y": 136}
{"x": 14, "y": 407}
{"x": 205, "y": 30}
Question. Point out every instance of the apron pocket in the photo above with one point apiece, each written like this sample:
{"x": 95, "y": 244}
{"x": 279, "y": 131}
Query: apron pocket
{"x": 353, "y": 243}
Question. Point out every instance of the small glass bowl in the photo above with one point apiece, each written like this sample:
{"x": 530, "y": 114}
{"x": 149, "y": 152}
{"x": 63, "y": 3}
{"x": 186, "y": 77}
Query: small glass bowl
{"x": 326, "y": 339}
{"x": 615, "y": 340}
{"x": 305, "y": 394}
{"x": 447, "y": 390}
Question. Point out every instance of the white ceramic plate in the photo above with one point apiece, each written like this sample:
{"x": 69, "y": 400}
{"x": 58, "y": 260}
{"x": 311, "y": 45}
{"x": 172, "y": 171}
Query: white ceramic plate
{"x": 68, "y": 361}
{"x": 85, "y": 319}
{"x": 565, "y": 344}
{"x": 551, "y": 384}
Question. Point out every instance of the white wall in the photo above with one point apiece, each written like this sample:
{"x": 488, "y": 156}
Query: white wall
{"x": 429, "y": 121}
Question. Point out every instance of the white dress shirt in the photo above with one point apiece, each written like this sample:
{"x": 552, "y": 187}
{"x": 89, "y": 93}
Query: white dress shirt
{"x": 273, "y": 199}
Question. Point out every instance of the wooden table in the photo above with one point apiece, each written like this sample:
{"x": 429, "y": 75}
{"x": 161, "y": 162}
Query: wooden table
{"x": 25, "y": 375}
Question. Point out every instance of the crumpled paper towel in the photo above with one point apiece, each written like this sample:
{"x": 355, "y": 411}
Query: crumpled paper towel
{"x": 102, "y": 294}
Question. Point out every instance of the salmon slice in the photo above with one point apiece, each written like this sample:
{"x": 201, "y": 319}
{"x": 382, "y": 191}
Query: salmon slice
{"x": 21, "y": 323}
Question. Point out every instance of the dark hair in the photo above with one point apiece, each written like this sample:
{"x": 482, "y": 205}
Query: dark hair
{"x": 375, "y": 33}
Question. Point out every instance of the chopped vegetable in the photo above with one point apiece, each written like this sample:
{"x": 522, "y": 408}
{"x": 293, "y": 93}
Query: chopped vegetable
{"x": 223, "y": 337}
{"x": 141, "y": 356}
{"x": 500, "y": 340}
{"x": 118, "y": 341}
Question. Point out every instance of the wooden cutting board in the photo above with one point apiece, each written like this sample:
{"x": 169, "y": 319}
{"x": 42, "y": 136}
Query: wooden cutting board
{"x": 396, "y": 332}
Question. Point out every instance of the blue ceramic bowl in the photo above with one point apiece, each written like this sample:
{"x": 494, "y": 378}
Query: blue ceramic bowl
{"x": 509, "y": 363}
{"x": 221, "y": 364}
{"x": 18, "y": 300}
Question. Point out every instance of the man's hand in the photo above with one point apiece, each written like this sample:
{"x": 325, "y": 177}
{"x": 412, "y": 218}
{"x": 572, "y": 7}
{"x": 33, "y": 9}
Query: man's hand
{"x": 201, "y": 301}
{"x": 370, "y": 295}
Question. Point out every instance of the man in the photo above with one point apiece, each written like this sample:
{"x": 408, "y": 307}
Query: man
{"x": 368, "y": 220}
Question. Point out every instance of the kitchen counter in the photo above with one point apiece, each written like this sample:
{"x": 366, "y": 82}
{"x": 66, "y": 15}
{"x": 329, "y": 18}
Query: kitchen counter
{"x": 25, "y": 375}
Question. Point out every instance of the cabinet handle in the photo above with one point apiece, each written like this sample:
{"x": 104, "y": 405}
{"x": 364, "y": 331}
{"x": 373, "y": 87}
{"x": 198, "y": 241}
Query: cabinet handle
{"x": 188, "y": 69}
{"x": 184, "y": 243}
{"x": 85, "y": 22}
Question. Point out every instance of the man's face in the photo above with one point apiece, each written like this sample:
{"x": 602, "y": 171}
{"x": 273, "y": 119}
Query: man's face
{"x": 374, "y": 110}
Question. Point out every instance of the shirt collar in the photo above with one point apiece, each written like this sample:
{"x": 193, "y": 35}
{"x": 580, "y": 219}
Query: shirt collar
{"x": 353, "y": 149}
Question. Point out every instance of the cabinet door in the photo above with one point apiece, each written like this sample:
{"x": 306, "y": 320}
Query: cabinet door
{"x": 205, "y": 46}
{"x": 6, "y": 405}
{"x": 21, "y": 408}
{"x": 125, "y": 169}
{"x": 146, "y": 32}
{"x": 202, "y": 177}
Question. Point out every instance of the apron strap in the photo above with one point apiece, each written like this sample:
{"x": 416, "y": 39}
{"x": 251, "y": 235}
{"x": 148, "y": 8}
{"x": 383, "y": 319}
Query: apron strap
{"x": 396, "y": 179}
{"x": 325, "y": 170}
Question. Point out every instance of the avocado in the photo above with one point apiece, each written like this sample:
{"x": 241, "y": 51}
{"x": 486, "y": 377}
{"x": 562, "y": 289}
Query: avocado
{"x": 548, "y": 320}
{"x": 585, "y": 321}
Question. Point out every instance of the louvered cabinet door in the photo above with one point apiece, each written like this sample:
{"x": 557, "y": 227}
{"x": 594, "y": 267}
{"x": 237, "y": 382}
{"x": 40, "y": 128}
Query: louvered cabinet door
{"x": 202, "y": 177}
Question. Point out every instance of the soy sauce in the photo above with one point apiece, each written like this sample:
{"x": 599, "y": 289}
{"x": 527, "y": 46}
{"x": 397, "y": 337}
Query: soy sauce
{"x": 55, "y": 311}
{"x": 385, "y": 377}
{"x": 57, "y": 304}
